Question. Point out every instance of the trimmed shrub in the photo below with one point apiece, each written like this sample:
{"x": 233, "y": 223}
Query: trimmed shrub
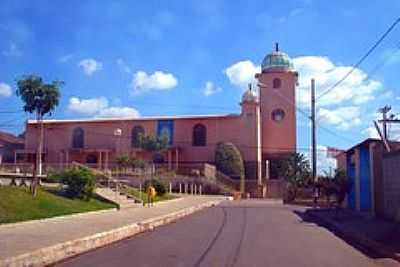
{"x": 123, "y": 161}
{"x": 53, "y": 176}
{"x": 138, "y": 163}
{"x": 80, "y": 182}
{"x": 228, "y": 160}
{"x": 158, "y": 185}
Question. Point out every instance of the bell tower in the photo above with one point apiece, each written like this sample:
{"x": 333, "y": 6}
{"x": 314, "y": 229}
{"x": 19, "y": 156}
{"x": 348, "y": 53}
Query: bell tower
{"x": 277, "y": 84}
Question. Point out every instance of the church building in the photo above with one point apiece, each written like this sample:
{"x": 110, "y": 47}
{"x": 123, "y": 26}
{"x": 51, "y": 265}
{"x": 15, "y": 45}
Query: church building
{"x": 265, "y": 129}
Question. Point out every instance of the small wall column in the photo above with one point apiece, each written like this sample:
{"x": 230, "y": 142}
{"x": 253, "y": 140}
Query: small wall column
{"x": 371, "y": 175}
{"x": 176, "y": 159}
{"x": 106, "y": 160}
{"x": 357, "y": 178}
{"x": 99, "y": 162}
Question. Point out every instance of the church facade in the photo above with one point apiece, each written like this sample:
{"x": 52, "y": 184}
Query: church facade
{"x": 264, "y": 130}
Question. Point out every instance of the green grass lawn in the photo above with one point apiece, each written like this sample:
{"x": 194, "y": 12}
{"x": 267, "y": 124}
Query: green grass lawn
{"x": 17, "y": 204}
{"x": 135, "y": 192}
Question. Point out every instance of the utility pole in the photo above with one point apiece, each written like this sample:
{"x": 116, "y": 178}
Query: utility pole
{"x": 313, "y": 133}
{"x": 384, "y": 110}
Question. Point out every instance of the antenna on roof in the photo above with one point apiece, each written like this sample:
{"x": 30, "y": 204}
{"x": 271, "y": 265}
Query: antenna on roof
{"x": 276, "y": 47}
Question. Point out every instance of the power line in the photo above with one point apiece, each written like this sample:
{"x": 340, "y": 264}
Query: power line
{"x": 383, "y": 63}
{"x": 361, "y": 60}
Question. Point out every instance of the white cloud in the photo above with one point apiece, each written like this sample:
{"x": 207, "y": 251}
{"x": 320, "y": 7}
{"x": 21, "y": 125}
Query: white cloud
{"x": 356, "y": 88}
{"x": 342, "y": 118}
{"x": 242, "y": 73}
{"x": 210, "y": 88}
{"x": 12, "y": 51}
{"x": 88, "y": 106}
{"x": 99, "y": 107}
{"x": 391, "y": 56}
{"x": 370, "y": 132}
{"x": 5, "y": 89}
{"x": 291, "y": 14}
{"x": 393, "y": 132}
{"x": 65, "y": 58}
{"x": 157, "y": 81}
{"x": 90, "y": 66}
{"x": 123, "y": 66}
{"x": 118, "y": 112}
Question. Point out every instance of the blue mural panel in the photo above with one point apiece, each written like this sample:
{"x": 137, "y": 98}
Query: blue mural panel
{"x": 351, "y": 174}
{"x": 166, "y": 127}
{"x": 365, "y": 180}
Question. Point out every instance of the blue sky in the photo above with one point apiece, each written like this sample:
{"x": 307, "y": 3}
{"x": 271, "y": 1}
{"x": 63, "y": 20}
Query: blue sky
{"x": 159, "y": 57}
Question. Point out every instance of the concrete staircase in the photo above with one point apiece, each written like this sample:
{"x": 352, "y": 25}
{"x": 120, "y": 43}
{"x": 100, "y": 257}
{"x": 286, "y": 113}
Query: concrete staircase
{"x": 123, "y": 201}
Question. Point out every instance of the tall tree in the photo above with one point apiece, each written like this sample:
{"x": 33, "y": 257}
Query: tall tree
{"x": 39, "y": 98}
{"x": 153, "y": 144}
{"x": 295, "y": 169}
{"x": 229, "y": 161}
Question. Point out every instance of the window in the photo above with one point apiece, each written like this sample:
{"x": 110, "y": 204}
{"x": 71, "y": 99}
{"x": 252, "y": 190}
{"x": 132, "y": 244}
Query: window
{"x": 78, "y": 137}
{"x": 137, "y": 133}
{"x": 199, "y": 135}
{"x": 278, "y": 115}
{"x": 276, "y": 83}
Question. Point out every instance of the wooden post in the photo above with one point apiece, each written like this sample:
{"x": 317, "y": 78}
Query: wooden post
{"x": 180, "y": 188}
{"x": 140, "y": 191}
{"x": 313, "y": 132}
{"x": 99, "y": 161}
{"x": 106, "y": 160}
{"x": 200, "y": 190}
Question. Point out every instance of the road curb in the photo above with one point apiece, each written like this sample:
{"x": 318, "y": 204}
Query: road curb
{"x": 56, "y": 253}
{"x": 358, "y": 238}
{"x": 57, "y": 218}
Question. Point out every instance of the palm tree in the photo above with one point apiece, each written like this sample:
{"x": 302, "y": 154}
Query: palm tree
{"x": 39, "y": 98}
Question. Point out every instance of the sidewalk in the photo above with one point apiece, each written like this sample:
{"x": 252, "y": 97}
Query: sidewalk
{"x": 24, "y": 238}
{"x": 379, "y": 235}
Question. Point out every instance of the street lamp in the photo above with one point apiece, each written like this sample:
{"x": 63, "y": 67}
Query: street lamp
{"x": 117, "y": 134}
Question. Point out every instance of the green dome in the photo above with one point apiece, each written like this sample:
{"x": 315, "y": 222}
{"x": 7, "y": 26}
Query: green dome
{"x": 277, "y": 60}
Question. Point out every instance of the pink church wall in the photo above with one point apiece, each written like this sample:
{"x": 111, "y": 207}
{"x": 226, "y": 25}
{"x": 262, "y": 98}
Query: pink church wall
{"x": 99, "y": 135}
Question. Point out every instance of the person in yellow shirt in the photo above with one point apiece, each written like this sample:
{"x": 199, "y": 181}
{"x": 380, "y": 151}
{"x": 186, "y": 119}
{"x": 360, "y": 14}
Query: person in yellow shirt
{"x": 151, "y": 193}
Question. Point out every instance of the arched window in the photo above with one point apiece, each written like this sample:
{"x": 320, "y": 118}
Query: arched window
{"x": 276, "y": 83}
{"x": 199, "y": 135}
{"x": 78, "y": 138}
{"x": 137, "y": 133}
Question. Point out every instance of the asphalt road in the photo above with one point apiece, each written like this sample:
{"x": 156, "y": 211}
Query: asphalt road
{"x": 246, "y": 233}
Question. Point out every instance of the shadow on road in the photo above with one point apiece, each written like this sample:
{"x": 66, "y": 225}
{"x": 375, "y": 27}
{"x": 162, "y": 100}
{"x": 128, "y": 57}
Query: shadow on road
{"x": 308, "y": 216}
